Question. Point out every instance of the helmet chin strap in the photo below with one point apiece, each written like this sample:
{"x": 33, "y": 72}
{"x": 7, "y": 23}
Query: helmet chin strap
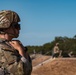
{"x": 15, "y": 36}
{"x": 12, "y": 35}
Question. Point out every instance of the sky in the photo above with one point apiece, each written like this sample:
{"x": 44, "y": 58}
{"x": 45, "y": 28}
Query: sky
{"x": 43, "y": 20}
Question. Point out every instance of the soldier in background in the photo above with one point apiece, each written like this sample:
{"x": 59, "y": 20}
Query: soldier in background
{"x": 71, "y": 54}
{"x": 56, "y": 51}
{"x": 13, "y": 58}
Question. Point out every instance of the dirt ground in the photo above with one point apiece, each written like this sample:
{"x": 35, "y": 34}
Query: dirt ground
{"x": 39, "y": 60}
{"x": 59, "y": 66}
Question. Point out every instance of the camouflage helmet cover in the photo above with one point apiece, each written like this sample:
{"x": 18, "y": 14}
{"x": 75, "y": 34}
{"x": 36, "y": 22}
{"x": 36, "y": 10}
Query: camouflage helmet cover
{"x": 7, "y": 17}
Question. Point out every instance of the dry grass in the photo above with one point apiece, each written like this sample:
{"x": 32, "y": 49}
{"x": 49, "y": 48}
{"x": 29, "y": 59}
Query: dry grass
{"x": 39, "y": 60}
{"x": 59, "y": 66}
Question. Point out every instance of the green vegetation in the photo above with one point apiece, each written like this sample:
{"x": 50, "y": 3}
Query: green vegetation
{"x": 66, "y": 44}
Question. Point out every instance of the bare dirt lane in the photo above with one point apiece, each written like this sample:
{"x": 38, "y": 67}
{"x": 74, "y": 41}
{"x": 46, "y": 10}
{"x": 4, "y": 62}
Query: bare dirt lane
{"x": 59, "y": 66}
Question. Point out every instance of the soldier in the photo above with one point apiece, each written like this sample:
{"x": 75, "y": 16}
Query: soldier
{"x": 13, "y": 58}
{"x": 56, "y": 51}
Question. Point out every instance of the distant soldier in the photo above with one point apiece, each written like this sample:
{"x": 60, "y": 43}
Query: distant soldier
{"x": 71, "y": 54}
{"x": 56, "y": 50}
{"x": 13, "y": 57}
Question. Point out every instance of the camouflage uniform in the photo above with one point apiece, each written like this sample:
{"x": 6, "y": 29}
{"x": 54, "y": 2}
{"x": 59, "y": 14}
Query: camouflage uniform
{"x": 10, "y": 62}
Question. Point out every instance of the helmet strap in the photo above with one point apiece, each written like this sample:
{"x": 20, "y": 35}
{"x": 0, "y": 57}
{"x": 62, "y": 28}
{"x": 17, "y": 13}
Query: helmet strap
{"x": 14, "y": 32}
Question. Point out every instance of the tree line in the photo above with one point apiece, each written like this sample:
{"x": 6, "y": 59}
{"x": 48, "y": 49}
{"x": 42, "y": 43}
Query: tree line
{"x": 66, "y": 44}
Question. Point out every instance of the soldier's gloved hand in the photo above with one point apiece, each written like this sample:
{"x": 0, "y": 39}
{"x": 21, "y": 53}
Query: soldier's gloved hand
{"x": 26, "y": 62}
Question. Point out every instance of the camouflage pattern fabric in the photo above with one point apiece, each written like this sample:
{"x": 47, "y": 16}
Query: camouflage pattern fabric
{"x": 7, "y": 17}
{"x": 10, "y": 63}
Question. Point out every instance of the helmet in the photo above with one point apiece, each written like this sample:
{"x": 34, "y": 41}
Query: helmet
{"x": 7, "y": 18}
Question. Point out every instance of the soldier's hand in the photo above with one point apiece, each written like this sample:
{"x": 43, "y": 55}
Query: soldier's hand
{"x": 18, "y": 46}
